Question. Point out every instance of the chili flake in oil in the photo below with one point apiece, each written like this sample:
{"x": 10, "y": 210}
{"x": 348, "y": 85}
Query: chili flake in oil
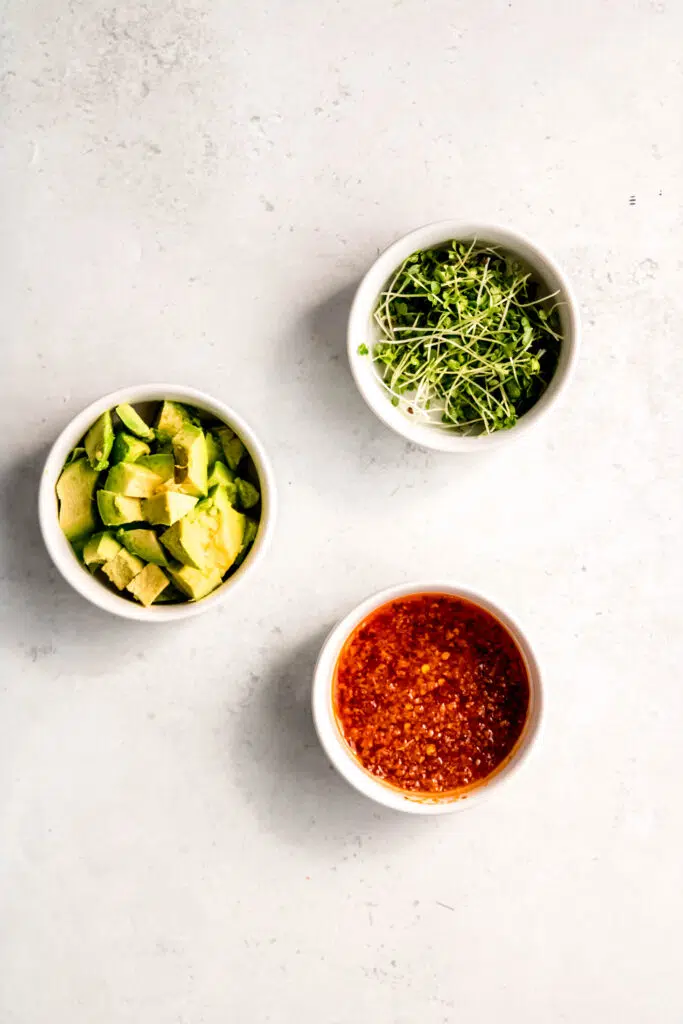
{"x": 431, "y": 693}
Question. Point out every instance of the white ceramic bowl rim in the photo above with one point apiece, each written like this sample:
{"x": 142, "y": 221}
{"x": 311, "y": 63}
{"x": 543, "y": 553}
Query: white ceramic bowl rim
{"x": 360, "y": 329}
{"x": 336, "y": 747}
{"x": 59, "y": 548}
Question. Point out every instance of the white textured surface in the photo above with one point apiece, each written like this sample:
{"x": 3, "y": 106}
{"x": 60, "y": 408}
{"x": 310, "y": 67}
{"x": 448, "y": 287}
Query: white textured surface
{"x": 191, "y": 189}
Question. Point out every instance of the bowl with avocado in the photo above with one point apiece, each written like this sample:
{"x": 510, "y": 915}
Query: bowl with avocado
{"x": 156, "y": 501}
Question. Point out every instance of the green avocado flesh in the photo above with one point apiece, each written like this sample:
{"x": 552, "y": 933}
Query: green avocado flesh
{"x": 214, "y": 452}
{"x": 165, "y": 508}
{"x": 99, "y": 441}
{"x": 127, "y": 448}
{"x": 148, "y": 585}
{"x": 134, "y": 422}
{"x": 233, "y": 449}
{"x": 189, "y": 450}
{"x": 123, "y": 568}
{"x": 75, "y": 490}
{"x": 133, "y": 480}
{"x": 143, "y": 543}
{"x": 162, "y": 464}
{"x": 209, "y": 538}
{"x": 165, "y": 523}
{"x": 117, "y": 509}
{"x": 172, "y": 418}
{"x": 100, "y": 548}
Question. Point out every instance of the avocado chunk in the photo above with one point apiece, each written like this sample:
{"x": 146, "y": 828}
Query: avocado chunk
{"x": 189, "y": 448}
{"x": 221, "y": 476}
{"x": 99, "y": 440}
{"x": 117, "y": 509}
{"x": 134, "y": 422}
{"x": 143, "y": 543}
{"x": 214, "y": 452}
{"x": 231, "y": 527}
{"x": 75, "y": 489}
{"x": 164, "y": 509}
{"x": 148, "y": 584}
{"x": 172, "y": 418}
{"x": 100, "y": 548}
{"x": 247, "y": 494}
{"x": 192, "y": 582}
{"x": 171, "y": 595}
{"x": 123, "y": 568}
{"x": 74, "y": 455}
{"x": 186, "y": 542}
{"x": 250, "y": 531}
{"x": 210, "y": 537}
{"x": 162, "y": 464}
{"x": 127, "y": 448}
{"x": 233, "y": 449}
{"x": 133, "y": 480}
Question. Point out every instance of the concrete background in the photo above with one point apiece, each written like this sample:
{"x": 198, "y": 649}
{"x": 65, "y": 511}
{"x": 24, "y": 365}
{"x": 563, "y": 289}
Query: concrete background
{"x": 191, "y": 190}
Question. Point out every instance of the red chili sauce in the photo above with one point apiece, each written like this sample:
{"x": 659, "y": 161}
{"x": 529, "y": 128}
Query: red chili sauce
{"x": 431, "y": 693}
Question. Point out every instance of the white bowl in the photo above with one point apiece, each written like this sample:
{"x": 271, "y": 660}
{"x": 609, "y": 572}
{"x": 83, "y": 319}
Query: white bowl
{"x": 59, "y": 548}
{"x": 340, "y": 753}
{"x": 363, "y": 330}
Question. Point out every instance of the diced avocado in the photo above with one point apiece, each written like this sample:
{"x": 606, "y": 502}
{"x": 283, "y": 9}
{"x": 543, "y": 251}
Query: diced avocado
{"x": 127, "y": 448}
{"x": 123, "y": 568}
{"x": 143, "y": 543}
{"x": 172, "y": 418}
{"x": 99, "y": 440}
{"x": 101, "y": 547}
{"x": 134, "y": 422}
{"x": 171, "y": 595}
{"x": 75, "y": 489}
{"x": 133, "y": 480}
{"x": 250, "y": 531}
{"x": 148, "y": 584}
{"x": 74, "y": 455}
{"x": 247, "y": 494}
{"x": 187, "y": 540}
{"x": 210, "y": 537}
{"x": 199, "y": 415}
{"x": 224, "y": 478}
{"x": 231, "y": 493}
{"x": 221, "y": 476}
{"x": 189, "y": 447}
{"x": 162, "y": 464}
{"x": 164, "y": 509}
{"x": 224, "y": 433}
{"x": 165, "y": 447}
{"x": 233, "y": 449}
{"x": 213, "y": 449}
{"x": 117, "y": 509}
{"x": 230, "y": 534}
{"x": 194, "y": 583}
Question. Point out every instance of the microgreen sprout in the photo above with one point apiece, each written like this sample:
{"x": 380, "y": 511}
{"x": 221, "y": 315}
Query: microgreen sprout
{"x": 469, "y": 339}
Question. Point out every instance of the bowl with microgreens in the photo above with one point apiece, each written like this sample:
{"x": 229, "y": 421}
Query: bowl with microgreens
{"x": 156, "y": 502}
{"x": 463, "y": 335}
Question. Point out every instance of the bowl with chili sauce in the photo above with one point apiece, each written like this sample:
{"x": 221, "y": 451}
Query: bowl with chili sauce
{"x": 427, "y": 697}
